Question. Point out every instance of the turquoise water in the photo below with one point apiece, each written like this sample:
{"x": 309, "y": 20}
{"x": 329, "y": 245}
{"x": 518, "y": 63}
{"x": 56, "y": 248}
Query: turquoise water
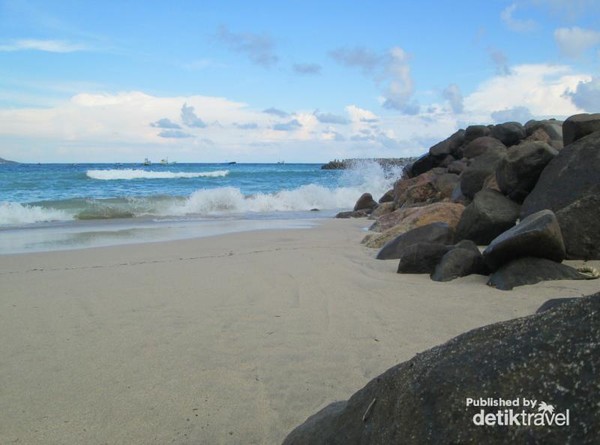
{"x": 58, "y": 200}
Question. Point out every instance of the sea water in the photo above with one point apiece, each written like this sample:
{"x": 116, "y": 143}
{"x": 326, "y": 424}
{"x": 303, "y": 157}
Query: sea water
{"x": 64, "y": 206}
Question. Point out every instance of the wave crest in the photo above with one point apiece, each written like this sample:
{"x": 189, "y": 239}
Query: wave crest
{"x": 127, "y": 174}
{"x": 15, "y": 213}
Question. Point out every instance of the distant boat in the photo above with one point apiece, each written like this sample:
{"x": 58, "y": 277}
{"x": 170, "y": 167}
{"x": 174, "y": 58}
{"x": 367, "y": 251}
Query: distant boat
{"x": 232, "y": 163}
{"x": 281, "y": 162}
{"x": 147, "y": 162}
{"x": 164, "y": 161}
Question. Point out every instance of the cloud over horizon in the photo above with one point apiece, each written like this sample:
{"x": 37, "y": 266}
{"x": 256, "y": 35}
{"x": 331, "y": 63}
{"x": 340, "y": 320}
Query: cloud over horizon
{"x": 260, "y": 48}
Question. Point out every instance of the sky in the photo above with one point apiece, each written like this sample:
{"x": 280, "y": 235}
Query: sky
{"x": 293, "y": 81}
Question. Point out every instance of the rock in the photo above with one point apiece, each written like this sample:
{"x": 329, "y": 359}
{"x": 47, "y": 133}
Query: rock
{"x": 538, "y": 235}
{"x": 421, "y": 257}
{"x": 422, "y": 165}
{"x": 445, "y": 184}
{"x": 475, "y": 131}
{"x": 580, "y": 229}
{"x": 459, "y": 262}
{"x": 457, "y": 167}
{"x": 509, "y": 133}
{"x": 383, "y": 209}
{"x": 481, "y": 145}
{"x": 472, "y": 179}
{"x": 365, "y": 202}
{"x": 445, "y": 212}
{"x": 551, "y": 127}
{"x": 580, "y": 125}
{"x": 531, "y": 270}
{"x": 387, "y": 197}
{"x": 402, "y": 186}
{"x": 436, "y": 233}
{"x": 353, "y": 214}
{"x": 552, "y": 303}
{"x": 489, "y": 215}
{"x": 425, "y": 193}
{"x": 448, "y": 146}
{"x": 552, "y": 357}
{"x": 572, "y": 175}
{"x": 519, "y": 171}
{"x": 389, "y": 220}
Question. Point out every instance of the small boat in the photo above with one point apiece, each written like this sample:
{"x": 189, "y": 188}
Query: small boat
{"x": 164, "y": 161}
{"x": 147, "y": 162}
{"x": 232, "y": 163}
{"x": 281, "y": 162}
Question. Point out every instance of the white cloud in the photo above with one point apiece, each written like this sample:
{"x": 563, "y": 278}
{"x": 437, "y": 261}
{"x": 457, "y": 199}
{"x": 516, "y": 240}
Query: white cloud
{"x": 51, "y": 46}
{"x": 587, "y": 95}
{"x": 540, "y": 88}
{"x": 574, "y": 42}
{"x": 454, "y": 97}
{"x": 515, "y": 24}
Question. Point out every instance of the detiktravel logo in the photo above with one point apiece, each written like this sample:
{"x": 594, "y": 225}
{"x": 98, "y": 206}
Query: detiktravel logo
{"x": 516, "y": 412}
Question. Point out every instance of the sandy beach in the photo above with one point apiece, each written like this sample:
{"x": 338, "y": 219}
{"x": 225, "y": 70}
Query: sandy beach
{"x": 231, "y": 339}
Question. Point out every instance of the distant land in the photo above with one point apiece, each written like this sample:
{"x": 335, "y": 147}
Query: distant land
{"x": 6, "y": 161}
{"x": 349, "y": 163}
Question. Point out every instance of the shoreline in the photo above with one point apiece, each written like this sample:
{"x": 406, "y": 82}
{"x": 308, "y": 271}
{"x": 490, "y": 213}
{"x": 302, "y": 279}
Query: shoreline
{"x": 229, "y": 338}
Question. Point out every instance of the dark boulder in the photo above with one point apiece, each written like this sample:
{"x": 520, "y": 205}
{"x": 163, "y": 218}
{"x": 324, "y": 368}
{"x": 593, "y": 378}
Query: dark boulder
{"x": 445, "y": 184}
{"x": 490, "y": 214}
{"x": 437, "y": 233}
{"x": 573, "y": 175}
{"x": 580, "y": 125}
{"x": 459, "y": 262}
{"x": 531, "y": 270}
{"x": 473, "y": 132}
{"x": 448, "y": 146}
{"x": 481, "y": 145}
{"x": 352, "y": 214}
{"x": 421, "y": 257}
{"x": 509, "y": 133}
{"x": 580, "y": 228}
{"x": 365, "y": 202}
{"x": 480, "y": 168}
{"x": 552, "y": 127}
{"x": 422, "y": 165}
{"x": 387, "y": 197}
{"x": 457, "y": 167}
{"x": 552, "y": 357}
{"x": 519, "y": 171}
{"x": 538, "y": 235}
{"x": 552, "y": 303}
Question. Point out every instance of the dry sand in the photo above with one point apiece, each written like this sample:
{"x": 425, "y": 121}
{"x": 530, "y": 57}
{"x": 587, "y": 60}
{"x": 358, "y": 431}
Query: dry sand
{"x": 233, "y": 339}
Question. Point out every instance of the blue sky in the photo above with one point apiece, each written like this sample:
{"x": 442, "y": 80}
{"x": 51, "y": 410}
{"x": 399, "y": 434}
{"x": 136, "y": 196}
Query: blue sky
{"x": 264, "y": 81}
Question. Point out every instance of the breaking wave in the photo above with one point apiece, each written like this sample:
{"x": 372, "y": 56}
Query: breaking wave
{"x": 126, "y": 174}
{"x": 15, "y": 213}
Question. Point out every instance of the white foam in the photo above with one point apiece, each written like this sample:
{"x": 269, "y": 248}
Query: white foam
{"x": 15, "y": 213}
{"x": 368, "y": 177}
{"x": 126, "y": 174}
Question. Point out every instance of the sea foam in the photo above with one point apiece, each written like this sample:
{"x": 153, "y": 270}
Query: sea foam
{"x": 126, "y": 174}
{"x": 15, "y": 213}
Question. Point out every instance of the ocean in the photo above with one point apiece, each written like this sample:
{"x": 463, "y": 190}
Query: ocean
{"x": 64, "y": 206}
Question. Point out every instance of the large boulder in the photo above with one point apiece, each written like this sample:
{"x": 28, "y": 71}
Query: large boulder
{"x": 490, "y": 214}
{"x": 459, "y": 262}
{"x": 531, "y": 270}
{"x": 473, "y": 132}
{"x": 480, "y": 168}
{"x": 549, "y": 131}
{"x": 436, "y": 233}
{"x": 448, "y": 146}
{"x": 519, "y": 171}
{"x": 421, "y": 257}
{"x": 446, "y": 212}
{"x": 481, "y": 145}
{"x": 437, "y": 397}
{"x": 571, "y": 176}
{"x": 581, "y": 240}
{"x": 538, "y": 235}
{"x": 402, "y": 186}
{"x": 422, "y": 165}
{"x": 580, "y": 125}
{"x": 365, "y": 202}
{"x": 509, "y": 133}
